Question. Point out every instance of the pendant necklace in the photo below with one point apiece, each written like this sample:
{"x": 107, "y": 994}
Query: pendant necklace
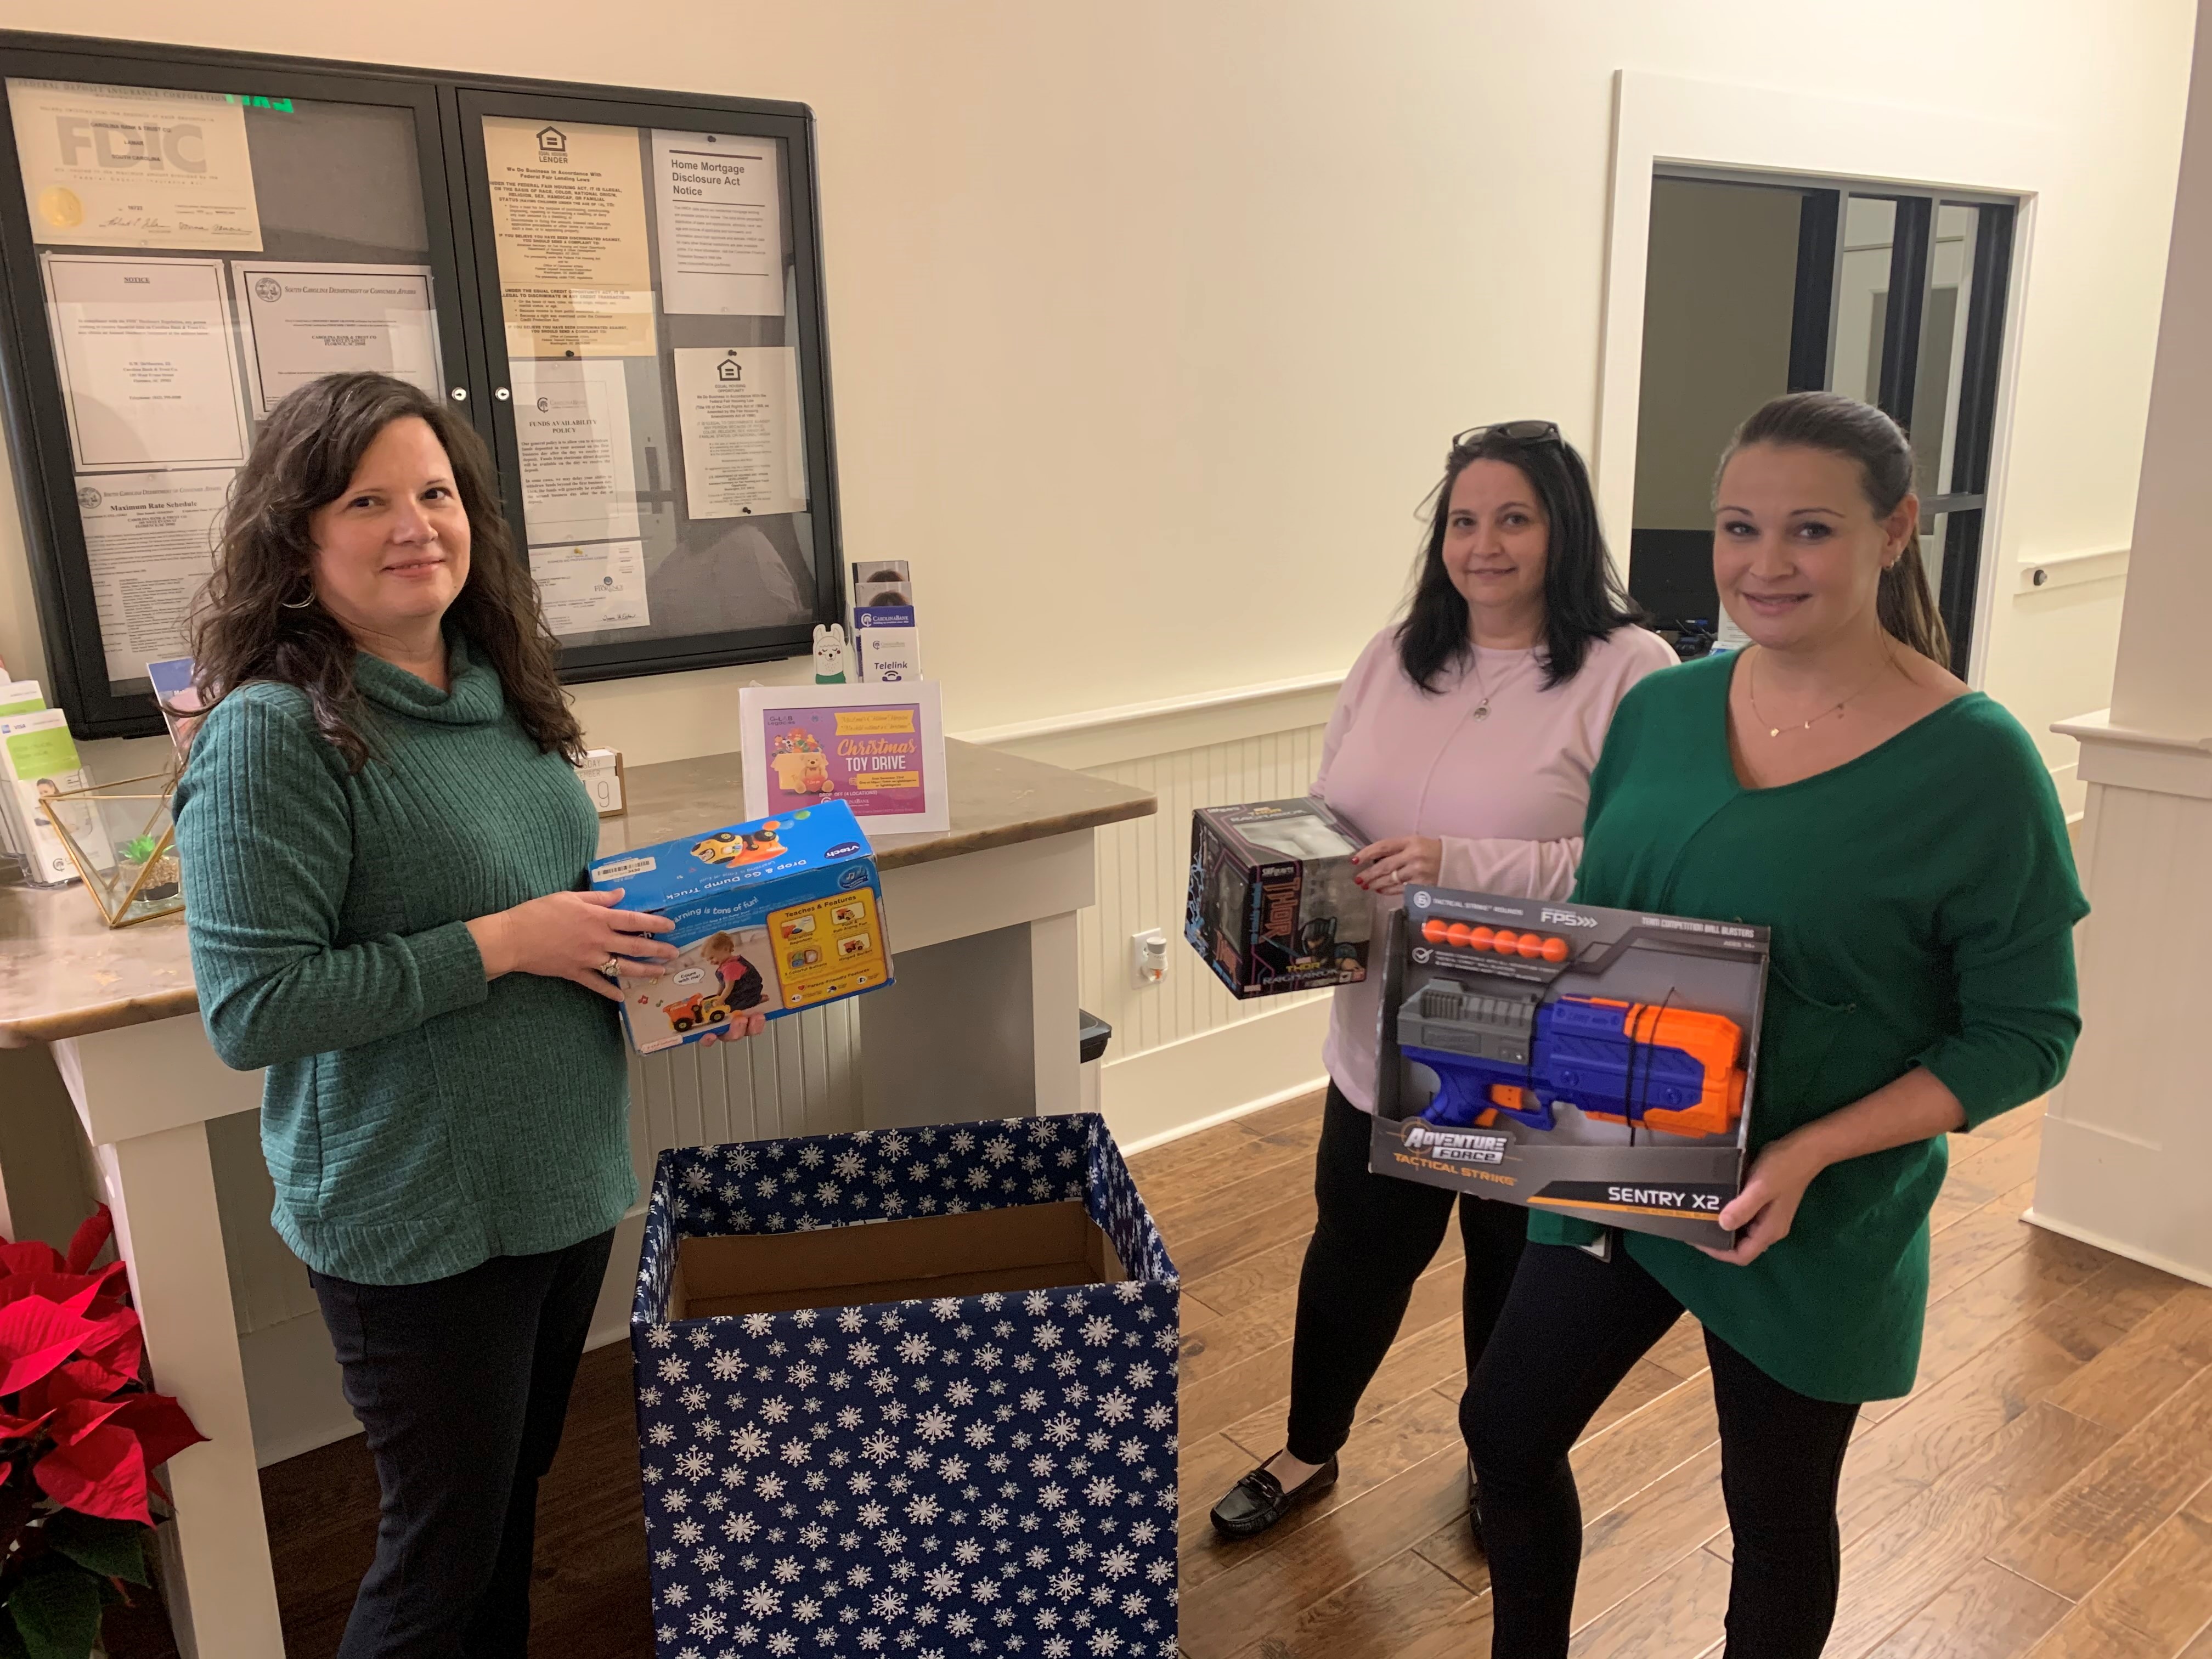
{"x": 1751, "y": 693}
{"x": 1482, "y": 708}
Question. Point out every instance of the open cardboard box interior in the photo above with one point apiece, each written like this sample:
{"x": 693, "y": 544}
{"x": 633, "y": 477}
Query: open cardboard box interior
{"x": 1028, "y": 1247}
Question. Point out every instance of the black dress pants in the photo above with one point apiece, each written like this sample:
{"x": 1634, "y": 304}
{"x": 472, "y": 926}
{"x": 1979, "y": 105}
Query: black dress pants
{"x": 1571, "y": 1329}
{"x": 462, "y": 1384}
{"x": 1373, "y": 1237}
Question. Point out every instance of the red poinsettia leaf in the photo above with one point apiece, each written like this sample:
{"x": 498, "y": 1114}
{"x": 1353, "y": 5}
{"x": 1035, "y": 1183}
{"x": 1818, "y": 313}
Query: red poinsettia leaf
{"x": 29, "y": 1255}
{"x": 37, "y": 1335}
{"x": 103, "y": 1472}
{"x": 74, "y": 1419}
{"x": 160, "y": 1425}
{"x": 91, "y": 1238}
{"x": 117, "y": 1344}
{"x": 93, "y": 1296}
{"x": 19, "y": 1428}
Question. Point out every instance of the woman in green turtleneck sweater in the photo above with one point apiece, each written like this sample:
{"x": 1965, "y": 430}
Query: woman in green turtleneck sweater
{"x": 383, "y": 849}
{"x": 1900, "y": 836}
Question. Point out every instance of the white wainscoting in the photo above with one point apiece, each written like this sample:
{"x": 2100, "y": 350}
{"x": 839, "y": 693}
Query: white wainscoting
{"x": 1184, "y": 1052}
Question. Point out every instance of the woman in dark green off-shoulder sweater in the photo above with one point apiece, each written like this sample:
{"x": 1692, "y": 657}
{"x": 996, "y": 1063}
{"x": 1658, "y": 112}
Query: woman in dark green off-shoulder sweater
{"x": 1901, "y": 838}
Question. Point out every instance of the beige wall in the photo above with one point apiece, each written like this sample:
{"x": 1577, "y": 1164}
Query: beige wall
{"x": 1148, "y": 320}
{"x": 1718, "y": 294}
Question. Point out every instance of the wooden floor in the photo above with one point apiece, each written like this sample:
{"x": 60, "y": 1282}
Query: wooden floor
{"x": 2046, "y": 1489}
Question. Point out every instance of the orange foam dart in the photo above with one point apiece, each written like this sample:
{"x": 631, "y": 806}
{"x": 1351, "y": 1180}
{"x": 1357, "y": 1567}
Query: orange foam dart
{"x": 1531, "y": 947}
{"x": 1480, "y": 937}
{"x": 1555, "y": 949}
{"x": 1504, "y": 941}
{"x": 1460, "y": 933}
{"x": 1436, "y": 930}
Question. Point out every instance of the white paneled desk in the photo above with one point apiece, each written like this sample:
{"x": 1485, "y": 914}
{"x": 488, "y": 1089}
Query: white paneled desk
{"x": 981, "y": 1023}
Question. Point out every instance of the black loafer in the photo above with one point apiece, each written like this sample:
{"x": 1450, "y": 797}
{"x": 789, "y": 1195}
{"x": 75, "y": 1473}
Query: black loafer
{"x": 1258, "y": 1501}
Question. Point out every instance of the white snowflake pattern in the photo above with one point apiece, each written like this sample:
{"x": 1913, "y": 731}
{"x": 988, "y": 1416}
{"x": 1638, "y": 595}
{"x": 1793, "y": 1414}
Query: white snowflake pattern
{"x": 928, "y": 1500}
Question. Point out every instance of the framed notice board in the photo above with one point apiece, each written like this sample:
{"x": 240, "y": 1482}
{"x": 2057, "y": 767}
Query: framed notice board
{"x": 621, "y": 288}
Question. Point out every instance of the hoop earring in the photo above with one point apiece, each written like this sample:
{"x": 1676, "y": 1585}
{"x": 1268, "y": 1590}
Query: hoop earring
{"x": 299, "y": 605}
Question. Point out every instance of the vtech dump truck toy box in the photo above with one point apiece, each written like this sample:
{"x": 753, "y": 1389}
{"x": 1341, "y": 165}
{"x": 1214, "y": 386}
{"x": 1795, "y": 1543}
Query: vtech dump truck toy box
{"x": 1595, "y": 1062}
{"x": 779, "y": 914}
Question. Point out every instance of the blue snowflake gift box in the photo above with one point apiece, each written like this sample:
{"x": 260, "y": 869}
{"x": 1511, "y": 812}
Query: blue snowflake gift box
{"x": 909, "y": 1392}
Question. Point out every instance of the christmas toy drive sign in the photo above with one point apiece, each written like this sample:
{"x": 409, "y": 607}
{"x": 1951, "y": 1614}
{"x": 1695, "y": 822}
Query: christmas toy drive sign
{"x": 909, "y": 1390}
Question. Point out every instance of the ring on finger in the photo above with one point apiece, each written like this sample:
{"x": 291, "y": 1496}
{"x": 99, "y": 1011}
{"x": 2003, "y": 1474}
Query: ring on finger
{"x": 611, "y": 967}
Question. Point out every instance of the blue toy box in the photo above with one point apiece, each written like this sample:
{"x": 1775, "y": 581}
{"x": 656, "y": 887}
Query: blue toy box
{"x": 909, "y": 1391}
{"x": 777, "y": 914}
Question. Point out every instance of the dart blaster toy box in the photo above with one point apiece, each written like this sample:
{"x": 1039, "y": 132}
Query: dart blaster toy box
{"x": 777, "y": 914}
{"x": 1597, "y": 1063}
{"x": 1274, "y": 906}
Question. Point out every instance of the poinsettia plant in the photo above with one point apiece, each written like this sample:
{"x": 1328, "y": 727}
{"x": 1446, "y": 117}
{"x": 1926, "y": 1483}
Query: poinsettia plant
{"x": 81, "y": 1434}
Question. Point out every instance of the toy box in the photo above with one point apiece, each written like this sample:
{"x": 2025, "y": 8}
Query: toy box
{"x": 910, "y": 1385}
{"x": 1274, "y": 906}
{"x": 1595, "y": 1062}
{"x": 779, "y": 914}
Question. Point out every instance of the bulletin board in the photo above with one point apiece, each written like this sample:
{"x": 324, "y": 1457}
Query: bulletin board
{"x": 621, "y": 289}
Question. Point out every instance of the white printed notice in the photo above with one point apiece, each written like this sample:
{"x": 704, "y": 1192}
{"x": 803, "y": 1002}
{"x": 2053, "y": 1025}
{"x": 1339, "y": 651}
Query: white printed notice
{"x": 147, "y": 375}
{"x": 567, "y": 215}
{"x": 304, "y": 321}
{"x": 572, "y": 424}
{"x": 739, "y": 409}
{"x": 720, "y": 212}
{"x": 149, "y": 540}
{"x": 134, "y": 167}
{"x": 587, "y": 588}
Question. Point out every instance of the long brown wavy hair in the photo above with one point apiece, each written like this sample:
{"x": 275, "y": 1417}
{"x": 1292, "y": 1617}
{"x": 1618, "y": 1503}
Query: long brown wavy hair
{"x": 1859, "y": 432}
{"x": 245, "y": 629}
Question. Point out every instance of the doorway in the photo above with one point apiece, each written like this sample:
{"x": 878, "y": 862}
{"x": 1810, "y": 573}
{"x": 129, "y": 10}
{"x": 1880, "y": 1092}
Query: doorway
{"x": 1756, "y": 285}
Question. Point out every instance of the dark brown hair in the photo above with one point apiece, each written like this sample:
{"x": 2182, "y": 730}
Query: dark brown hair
{"x": 303, "y": 458}
{"x": 1829, "y": 422}
{"x": 1584, "y": 601}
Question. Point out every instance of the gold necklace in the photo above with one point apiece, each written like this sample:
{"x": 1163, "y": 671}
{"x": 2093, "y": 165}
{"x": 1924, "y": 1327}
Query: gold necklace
{"x": 1751, "y": 693}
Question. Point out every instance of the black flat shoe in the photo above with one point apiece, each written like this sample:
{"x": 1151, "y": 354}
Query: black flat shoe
{"x": 1258, "y": 1501}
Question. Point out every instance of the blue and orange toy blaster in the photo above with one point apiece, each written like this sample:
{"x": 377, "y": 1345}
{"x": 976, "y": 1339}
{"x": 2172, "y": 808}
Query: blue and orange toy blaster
{"x": 1509, "y": 1053}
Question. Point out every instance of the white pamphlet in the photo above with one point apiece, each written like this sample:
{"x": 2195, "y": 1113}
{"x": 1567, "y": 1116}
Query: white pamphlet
{"x": 304, "y": 321}
{"x": 591, "y": 586}
{"x": 572, "y": 425}
{"x": 739, "y": 412}
{"x": 149, "y": 540}
{"x": 134, "y": 167}
{"x": 149, "y": 377}
{"x": 720, "y": 215}
{"x": 567, "y": 214}
{"x": 37, "y": 761}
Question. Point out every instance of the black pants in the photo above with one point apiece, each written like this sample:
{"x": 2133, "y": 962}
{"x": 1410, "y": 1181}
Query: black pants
{"x": 462, "y": 1384}
{"x": 1374, "y": 1236}
{"x": 1572, "y": 1327}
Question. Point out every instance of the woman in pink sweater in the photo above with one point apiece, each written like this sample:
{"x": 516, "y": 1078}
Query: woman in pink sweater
{"x": 1462, "y": 742}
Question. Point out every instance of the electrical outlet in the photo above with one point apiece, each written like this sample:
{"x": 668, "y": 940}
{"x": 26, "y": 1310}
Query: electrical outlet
{"x": 1148, "y": 956}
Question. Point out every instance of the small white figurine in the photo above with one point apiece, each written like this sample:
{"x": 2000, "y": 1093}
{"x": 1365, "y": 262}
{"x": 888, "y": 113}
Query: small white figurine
{"x": 829, "y": 653}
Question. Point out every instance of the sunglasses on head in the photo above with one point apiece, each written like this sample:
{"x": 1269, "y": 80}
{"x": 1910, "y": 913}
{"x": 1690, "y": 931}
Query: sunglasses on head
{"x": 1519, "y": 432}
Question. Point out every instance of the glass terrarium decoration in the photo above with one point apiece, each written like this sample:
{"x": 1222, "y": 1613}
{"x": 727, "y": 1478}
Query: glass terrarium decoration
{"x": 123, "y": 844}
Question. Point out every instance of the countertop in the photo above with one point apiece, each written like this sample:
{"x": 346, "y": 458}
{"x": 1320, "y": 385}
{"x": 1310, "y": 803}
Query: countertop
{"x": 63, "y": 973}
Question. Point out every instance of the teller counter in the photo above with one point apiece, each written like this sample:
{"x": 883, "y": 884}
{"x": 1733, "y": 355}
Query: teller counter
{"x": 981, "y": 1023}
